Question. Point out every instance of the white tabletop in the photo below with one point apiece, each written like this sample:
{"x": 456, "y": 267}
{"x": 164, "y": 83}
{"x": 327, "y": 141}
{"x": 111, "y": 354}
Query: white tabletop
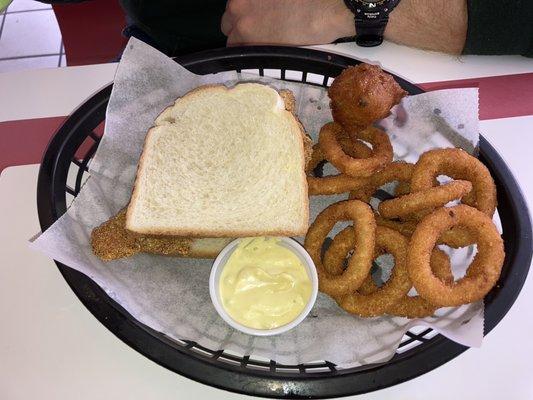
{"x": 51, "y": 347}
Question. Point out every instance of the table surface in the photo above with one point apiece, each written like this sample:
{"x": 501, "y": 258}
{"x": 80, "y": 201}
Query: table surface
{"x": 51, "y": 347}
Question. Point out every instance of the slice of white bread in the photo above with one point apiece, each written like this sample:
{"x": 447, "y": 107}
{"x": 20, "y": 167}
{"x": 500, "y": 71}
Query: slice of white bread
{"x": 223, "y": 163}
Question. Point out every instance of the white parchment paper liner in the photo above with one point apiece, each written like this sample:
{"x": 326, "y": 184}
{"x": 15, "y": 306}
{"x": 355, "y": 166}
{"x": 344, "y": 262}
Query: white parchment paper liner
{"x": 171, "y": 295}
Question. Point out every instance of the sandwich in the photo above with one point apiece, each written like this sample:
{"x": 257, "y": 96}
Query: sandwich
{"x": 218, "y": 163}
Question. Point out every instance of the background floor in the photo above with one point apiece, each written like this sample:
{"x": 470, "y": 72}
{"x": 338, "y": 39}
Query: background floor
{"x": 30, "y": 37}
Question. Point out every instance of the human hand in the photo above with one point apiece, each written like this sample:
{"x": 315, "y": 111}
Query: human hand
{"x": 286, "y": 22}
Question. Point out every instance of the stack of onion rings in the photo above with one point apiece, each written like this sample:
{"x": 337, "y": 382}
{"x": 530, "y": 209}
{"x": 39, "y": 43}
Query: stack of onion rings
{"x": 385, "y": 302}
{"x": 409, "y": 226}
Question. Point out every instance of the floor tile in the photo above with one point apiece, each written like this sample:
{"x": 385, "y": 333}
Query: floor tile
{"x": 31, "y": 33}
{"x": 23, "y": 5}
{"x": 28, "y": 63}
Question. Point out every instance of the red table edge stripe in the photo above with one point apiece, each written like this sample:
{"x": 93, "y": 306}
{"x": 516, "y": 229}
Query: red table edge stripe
{"x": 23, "y": 142}
{"x": 502, "y": 96}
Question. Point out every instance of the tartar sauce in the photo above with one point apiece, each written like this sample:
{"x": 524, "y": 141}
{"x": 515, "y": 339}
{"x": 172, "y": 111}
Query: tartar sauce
{"x": 263, "y": 284}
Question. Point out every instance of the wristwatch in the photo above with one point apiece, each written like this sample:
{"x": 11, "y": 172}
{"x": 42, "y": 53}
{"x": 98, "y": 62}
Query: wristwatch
{"x": 371, "y": 17}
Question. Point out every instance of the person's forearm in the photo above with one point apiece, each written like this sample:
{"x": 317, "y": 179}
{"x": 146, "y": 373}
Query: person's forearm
{"x": 439, "y": 25}
{"x": 430, "y": 24}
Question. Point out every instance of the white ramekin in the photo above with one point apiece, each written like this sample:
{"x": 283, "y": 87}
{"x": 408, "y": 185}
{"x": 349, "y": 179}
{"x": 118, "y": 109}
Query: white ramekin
{"x": 216, "y": 271}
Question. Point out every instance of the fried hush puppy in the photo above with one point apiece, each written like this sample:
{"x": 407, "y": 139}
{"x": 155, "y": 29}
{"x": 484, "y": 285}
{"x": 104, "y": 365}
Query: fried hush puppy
{"x": 362, "y": 95}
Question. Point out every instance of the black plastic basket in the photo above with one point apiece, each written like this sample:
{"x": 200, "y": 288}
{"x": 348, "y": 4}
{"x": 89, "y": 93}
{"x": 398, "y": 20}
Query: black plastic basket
{"x": 420, "y": 350}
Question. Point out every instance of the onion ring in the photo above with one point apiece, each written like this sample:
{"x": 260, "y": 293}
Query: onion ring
{"x": 381, "y": 151}
{"x": 397, "y": 171}
{"x": 335, "y": 255}
{"x": 361, "y": 261}
{"x": 487, "y": 263}
{"x": 402, "y": 188}
{"x": 457, "y": 164}
{"x": 406, "y": 228}
{"x": 398, "y": 285}
{"x": 407, "y": 306}
{"x": 336, "y": 184}
{"x": 437, "y": 196}
{"x": 456, "y": 237}
{"x": 355, "y": 148}
{"x": 417, "y": 306}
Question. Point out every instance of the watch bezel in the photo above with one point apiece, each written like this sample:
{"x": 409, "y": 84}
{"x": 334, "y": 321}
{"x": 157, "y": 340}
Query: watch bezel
{"x": 376, "y": 2}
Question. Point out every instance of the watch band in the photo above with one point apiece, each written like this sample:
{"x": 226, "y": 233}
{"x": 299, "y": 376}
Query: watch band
{"x": 369, "y": 33}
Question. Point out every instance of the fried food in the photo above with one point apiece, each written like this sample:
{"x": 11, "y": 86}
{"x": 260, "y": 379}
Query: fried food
{"x": 482, "y": 274}
{"x": 408, "y": 226}
{"x": 361, "y": 95}
{"x": 339, "y": 183}
{"x": 359, "y": 264}
{"x": 355, "y": 148}
{"x": 457, "y": 164}
{"x": 417, "y": 202}
{"x": 417, "y": 306}
{"x": 398, "y": 171}
{"x": 111, "y": 241}
{"x": 456, "y": 237}
{"x": 333, "y": 184}
{"x": 339, "y": 249}
{"x": 334, "y": 153}
{"x": 398, "y": 285}
{"x": 402, "y": 188}
{"x": 405, "y": 306}
{"x": 402, "y": 172}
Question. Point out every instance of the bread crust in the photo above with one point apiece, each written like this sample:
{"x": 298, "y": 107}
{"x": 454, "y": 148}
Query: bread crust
{"x": 289, "y": 101}
{"x": 306, "y": 148}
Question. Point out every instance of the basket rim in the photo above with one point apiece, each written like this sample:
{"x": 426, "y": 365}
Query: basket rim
{"x": 162, "y": 350}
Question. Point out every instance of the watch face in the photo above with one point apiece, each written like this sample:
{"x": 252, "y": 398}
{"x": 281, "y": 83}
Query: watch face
{"x": 372, "y": 8}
